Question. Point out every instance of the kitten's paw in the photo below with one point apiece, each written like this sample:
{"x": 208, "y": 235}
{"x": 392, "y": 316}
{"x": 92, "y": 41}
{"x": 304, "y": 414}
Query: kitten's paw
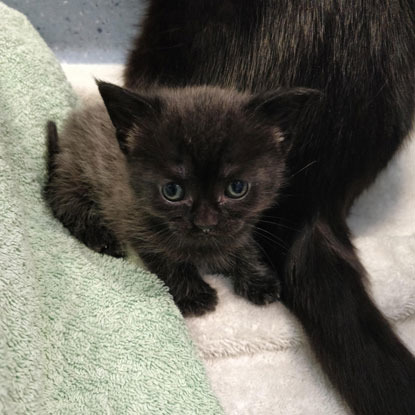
{"x": 103, "y": 241}
{"x": 260, "y": 291}
{"x": 198, "y": 303}
{"x": 111, "y": 248}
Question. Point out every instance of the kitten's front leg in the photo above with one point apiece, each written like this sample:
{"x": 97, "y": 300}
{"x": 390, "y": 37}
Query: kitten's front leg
{"x": 253, "y": 279}
{"x": 191, "y": 294}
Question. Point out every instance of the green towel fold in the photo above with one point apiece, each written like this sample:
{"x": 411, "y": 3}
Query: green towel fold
{"x": 80, "y": 333}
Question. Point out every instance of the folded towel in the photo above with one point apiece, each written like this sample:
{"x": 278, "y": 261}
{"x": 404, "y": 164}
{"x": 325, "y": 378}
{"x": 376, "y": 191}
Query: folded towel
{"x": 80, "y": 333}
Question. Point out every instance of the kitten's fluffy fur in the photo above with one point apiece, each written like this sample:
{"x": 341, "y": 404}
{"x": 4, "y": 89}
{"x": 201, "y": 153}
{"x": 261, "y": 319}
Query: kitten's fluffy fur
{"x": 106, "y": 179}
{"x": 361, "y": 54}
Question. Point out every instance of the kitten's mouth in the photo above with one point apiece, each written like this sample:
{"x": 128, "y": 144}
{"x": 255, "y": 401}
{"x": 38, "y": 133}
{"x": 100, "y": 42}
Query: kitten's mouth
{"x": 204, "y": 235}
{"x": 212, "y": 237}
{"x": 209, "y": 237}
{"x": 199, "y": 243}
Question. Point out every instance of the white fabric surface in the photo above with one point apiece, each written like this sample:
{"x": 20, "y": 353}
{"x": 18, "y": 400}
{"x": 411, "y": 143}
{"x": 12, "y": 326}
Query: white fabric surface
{"x": 258, "y": 358}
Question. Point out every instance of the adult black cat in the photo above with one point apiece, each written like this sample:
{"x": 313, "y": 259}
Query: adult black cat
{"x": 362, "y": 55}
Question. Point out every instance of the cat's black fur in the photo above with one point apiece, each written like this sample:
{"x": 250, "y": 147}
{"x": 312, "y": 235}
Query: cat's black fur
{"x": 362, "y": 55}
{"x": 109, "y": 167}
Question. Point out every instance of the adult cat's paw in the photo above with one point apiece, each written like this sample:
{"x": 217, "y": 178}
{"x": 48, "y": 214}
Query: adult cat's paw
{"x": 198, "y": 303}
{"x": 259, "y": 291}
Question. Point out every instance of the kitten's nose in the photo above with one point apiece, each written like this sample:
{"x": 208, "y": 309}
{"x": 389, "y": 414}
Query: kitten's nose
{"x": 205, "y": 219}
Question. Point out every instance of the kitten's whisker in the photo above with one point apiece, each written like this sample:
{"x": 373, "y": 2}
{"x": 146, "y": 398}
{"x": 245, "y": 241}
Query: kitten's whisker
{"x": 271, "y": 238}
{"x": 303, "y": 168}
{"x": 274, "y": 217}
{"x": 280, "y": 225}
{"x": 270, "y": 263}
{"x": 280, "y": 219}
{"x": 266, "y": 232}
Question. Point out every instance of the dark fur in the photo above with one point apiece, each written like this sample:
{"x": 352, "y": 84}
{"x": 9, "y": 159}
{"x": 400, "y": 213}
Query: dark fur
{"x": 107, "y": 192}
{"x": 362, "y": 55}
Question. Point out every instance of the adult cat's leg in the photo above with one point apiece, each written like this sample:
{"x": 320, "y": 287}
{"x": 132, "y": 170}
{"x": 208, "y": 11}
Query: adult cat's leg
{"x": 365, "y": 360}
{"x": 191, "y": 294}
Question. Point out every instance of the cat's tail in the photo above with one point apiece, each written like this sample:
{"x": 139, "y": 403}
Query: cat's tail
{"x": 52, "y": 139}
{"x": 52, "y": 144}
{"x": 52, "y": 147}
{"x": 357, "y": 348}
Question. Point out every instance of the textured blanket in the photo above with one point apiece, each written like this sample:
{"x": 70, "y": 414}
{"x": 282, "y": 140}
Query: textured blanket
{"x": 80, "y": 333}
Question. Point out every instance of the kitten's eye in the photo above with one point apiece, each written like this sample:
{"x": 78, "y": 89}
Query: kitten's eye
{"x": 237, "y": 189}
{"x": 172, "y": 192}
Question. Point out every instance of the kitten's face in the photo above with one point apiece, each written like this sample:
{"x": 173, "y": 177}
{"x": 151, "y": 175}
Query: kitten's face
{"x": 204, "y": 172}
{"x": 204, "y": 164}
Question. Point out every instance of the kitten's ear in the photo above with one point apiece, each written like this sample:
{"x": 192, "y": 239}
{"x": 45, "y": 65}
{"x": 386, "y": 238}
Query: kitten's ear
{"x": 126, "y": 109}
{"x": 281, "y": 108}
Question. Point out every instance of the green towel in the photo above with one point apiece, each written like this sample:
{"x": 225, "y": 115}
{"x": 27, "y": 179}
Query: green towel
{"x": 80, "y": 333}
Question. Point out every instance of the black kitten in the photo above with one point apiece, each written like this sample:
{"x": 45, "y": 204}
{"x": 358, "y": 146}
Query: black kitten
{"x": 362, "y": 55}
{"x": 181, "y": 179}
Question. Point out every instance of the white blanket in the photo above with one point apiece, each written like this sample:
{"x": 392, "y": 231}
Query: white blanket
{"x": 258, "y": 358}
